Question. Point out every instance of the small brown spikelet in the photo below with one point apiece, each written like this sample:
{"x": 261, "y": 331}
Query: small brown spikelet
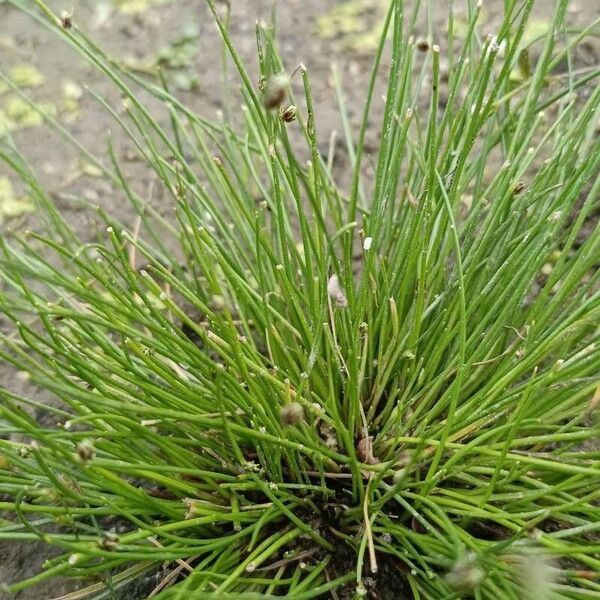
{"x": 85, "y": 451}
{"x": 291, "y": 414}
{"x": 109, "y": 541}
{"x": 518, "y": 188}
{"x": 66, "y": 20}
{"x": 190, "y": 505}
{"x": 276, "y": 90}
{"x": 422, "y": 45}
{"x": 289, "y": 113}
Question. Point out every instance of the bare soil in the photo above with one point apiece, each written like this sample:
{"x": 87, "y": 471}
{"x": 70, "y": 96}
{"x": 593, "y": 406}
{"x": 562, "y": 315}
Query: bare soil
{"x": 304, "y": 38}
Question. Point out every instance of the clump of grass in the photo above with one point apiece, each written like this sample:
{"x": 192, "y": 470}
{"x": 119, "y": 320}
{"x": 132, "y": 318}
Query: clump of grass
{"x": 308, "y": 390}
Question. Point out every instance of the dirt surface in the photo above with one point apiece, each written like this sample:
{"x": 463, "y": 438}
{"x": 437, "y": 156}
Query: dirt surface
{"x": 177, "y": 32}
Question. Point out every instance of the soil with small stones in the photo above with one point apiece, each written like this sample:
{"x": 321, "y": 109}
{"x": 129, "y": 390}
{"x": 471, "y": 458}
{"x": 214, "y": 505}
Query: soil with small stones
{"x": 22, "y": 41}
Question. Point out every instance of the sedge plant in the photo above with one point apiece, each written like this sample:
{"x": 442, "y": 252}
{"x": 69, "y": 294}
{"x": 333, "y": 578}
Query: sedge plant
{"x": 299, "y": 388}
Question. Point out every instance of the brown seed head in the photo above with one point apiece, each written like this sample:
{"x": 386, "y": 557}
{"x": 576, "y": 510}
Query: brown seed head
{"x": 422, "y": 45}
{"x": 275, "y": 93}
{"x": 85, "y": 451}
{"x": 108, "y": 541}
{"x": 518, "y": 188}
{"x": 66, "y": 20}
{"x": 289, "y": 113}
{"x": 291, "y": 414}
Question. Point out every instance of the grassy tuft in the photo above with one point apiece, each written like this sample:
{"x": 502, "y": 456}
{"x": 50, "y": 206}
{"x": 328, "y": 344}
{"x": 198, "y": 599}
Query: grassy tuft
{"x": 297, "y": 387}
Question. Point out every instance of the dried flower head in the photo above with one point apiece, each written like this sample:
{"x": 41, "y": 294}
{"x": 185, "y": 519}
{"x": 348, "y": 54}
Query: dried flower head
{"x": 518, "y": 188}
{"x": 66, "y": 19}
{"x": 85, "y": 451}
{"x": 108, "y": 541}
{"x": 190, "y": 505}
{"x": 466, "y": 574}
{"x": 336, "y": 293}
{"x": 289, "y": 113}
{"x": 24, "y": 451}
{"x": 422, "y": 45}
{"x": 291, "y": 414}
{"x": 251, "y": 466}
{"x": 276, "y": 89}
{"x": 328, "y": 435}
